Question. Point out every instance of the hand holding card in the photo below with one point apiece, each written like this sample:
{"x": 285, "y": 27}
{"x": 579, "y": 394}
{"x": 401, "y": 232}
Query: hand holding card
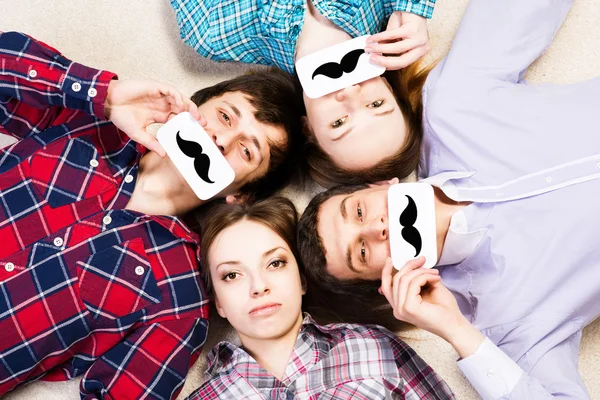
{"x": 412, "y": 226}
{"x": 196, "y": 156}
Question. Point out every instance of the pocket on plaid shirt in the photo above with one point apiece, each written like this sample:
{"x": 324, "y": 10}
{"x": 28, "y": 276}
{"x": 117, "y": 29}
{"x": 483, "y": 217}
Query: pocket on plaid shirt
{"x": 117, "y": 281}
{"x": 70, "y": 170}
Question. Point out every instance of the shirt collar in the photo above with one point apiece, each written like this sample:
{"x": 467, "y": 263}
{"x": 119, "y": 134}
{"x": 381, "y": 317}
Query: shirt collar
{"x": 226, "y": 355}
{"x": 460, "y": 240}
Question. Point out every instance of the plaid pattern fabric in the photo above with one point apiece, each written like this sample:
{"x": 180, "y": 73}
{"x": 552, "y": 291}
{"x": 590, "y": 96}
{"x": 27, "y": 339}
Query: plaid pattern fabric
{"x": 86, "y": 286}
{"x": 337, "y": 361}
{"x": 265, "y": 32}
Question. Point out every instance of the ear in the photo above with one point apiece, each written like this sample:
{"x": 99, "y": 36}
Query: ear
{"x": 303, "y": 281}
{"x": 220, "y": 311}
{"x": 392, "y": 181}
{"x": 236, "y": 198}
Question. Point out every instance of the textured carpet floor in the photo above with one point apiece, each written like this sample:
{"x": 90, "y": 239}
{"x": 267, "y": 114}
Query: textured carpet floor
{"x": 139, "y": 39}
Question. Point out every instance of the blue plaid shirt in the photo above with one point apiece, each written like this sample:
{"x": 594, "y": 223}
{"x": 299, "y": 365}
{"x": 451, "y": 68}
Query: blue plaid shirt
{"x": 265, "y": 32}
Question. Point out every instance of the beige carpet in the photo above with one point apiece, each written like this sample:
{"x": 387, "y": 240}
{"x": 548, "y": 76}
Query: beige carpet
{"x": 139, "y": 39}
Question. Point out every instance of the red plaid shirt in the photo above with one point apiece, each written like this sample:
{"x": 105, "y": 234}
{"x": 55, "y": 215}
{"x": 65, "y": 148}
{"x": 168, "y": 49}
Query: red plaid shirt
{"x": 86, "y": 286}
{"x": 336, "y": 361}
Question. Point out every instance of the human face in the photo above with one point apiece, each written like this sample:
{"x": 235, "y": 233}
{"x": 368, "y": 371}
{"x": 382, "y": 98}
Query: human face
{"x": 354, "y": 230}
{"x": 256, "y": 281}
{"x": 358, "y": 126}
{"x": 244, "y": 141}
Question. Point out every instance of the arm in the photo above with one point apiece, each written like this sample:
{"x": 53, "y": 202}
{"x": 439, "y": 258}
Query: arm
{"x": 418, "y": 297}
{"x": 151, "y": 362}
{"x": 39, "y": 86}
{"x": 423, "y": 8}
{"x": 501, "y": 38}
{"x": 495, "y": 376}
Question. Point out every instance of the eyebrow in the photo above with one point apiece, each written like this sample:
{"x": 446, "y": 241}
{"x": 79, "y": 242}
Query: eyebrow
{"x": 343, "y": 210}
{"x": 235, "y": 110}
{"x": 265, "y": 254}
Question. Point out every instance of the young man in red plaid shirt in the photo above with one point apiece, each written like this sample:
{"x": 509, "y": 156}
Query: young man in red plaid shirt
{"x": 98, "y": 275}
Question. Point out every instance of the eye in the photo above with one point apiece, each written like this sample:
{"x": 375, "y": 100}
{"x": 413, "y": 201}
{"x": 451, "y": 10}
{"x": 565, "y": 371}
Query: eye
{"x": 277, "y": 263}
{"x": 359, "y": 212}
{"x": 363, "y": 252}
{"x": 247, "y": 153}
{"x": 339, "y": 122}
{"x": 226, "y": 118}
{"x": 230, "y": 276}
{"x": 376, "y": 104}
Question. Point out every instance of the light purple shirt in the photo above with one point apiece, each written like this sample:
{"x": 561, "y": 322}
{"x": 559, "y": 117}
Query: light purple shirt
{"x": 522, "y": 260}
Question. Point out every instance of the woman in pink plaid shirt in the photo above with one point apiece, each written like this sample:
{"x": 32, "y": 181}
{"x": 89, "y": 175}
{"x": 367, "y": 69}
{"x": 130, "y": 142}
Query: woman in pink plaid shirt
{"x": 252, "y": 274}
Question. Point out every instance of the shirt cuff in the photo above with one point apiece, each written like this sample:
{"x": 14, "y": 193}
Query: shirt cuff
{"x": 491, "y": 372}
{"x": 86, "y": 89}
{"x": 424, "y": 8}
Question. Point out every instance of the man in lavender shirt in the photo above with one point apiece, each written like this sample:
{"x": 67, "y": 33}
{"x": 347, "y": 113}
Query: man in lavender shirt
{"x": 515, "y": 166}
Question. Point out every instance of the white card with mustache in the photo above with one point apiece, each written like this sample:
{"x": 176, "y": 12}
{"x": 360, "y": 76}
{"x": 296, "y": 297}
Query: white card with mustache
{"x": 333, "y": 68}
{"x": 195, "y": 155}
{"x": 412, "y": 225}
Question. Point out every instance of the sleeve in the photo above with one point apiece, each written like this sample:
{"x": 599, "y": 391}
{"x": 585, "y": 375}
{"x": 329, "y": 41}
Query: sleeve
{"x": 424, "y": 8}
{"x": 419, "y": 380}
{"x": 151, "y": 362}
{"x": 495, "y": 376}
{"x": 501, "y": 38}
{"x": 40, "y": 87}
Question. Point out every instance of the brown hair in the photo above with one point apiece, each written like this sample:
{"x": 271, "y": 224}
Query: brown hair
{"x": 407, "y": 85}
{"x": 276, "y": 213}
{"x": 273, "y": 93}
{"x": 332, "y": 299}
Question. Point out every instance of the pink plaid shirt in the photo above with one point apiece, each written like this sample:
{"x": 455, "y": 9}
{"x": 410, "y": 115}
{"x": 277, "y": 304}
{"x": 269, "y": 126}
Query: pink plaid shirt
{"x": 336, "y": 361}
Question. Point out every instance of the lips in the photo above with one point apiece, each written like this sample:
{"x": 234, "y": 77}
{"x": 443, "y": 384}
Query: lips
{"x": 265, "y": 309}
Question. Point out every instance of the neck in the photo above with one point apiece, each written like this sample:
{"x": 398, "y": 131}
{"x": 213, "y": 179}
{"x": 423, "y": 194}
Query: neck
{"x": 160, "y": 189}
{"x": 318, "y": 32}
{"x": 274, "y": 354}
{"x": 444, "y": 210}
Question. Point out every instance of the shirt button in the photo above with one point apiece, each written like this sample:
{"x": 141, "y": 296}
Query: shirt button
{"x": 58, "y": 242}
{"x": 294, "y": 31}
{"x": 94, "y": 163}
{"x": 298, "y": 10}
{"x": 490, "y": 373}
{"x": 128, "y": 179}
{"x": 282, "y": 396}
{"x": 107, "y": 220}
{"x": 76, "y": 87}
{"x": 92, "y": 92}
{"x": 548, "y": 179}
{"x": 33, "y": 73}
{"x": 139, "y": 270}
{"x": 9, "y": 267}
{"x": 416, "y": 1}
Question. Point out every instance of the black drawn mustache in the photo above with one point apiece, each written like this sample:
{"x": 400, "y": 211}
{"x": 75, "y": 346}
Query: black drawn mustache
{"x": 407, "y": 220}
{"x": 335, "y": 70}
{"x": 201, "y": 160}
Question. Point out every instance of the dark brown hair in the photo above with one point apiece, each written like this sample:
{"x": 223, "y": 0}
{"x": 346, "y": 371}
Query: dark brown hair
{"x": 332, "y": 299}
{"x": 407, "y": 85}
{"x": 274, "y": 95}
{"x": 276, "y": 213}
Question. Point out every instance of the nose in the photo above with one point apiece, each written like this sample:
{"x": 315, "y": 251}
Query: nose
{"x": 259, "y": 287}
{"x": 377, "y": 228}
{"x": 223, "y": 140}
{"x": 348, "y": 93}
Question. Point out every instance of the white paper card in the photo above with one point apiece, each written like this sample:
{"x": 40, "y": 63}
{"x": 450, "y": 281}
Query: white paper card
{"x": 412, "y": 228}
{"x": 333, "y": 68}
{"x": 195, "y": 155}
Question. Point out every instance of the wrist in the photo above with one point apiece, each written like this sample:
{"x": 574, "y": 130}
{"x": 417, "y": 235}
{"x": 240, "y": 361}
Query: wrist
{"x": 464, "y": 337}
{"x": 108, "y": 101}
